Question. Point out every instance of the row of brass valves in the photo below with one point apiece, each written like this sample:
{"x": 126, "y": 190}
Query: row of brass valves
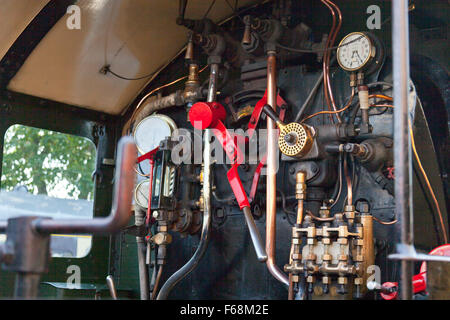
{"x": 359, "y": 238}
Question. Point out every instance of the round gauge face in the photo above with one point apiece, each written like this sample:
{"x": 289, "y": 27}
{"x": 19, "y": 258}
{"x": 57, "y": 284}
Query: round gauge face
{"x": 355, "y": 51}
{"x": 151, "y": 131}
{"x": 141, "y": 193}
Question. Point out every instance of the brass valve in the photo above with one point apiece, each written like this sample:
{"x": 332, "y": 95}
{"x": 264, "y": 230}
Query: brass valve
{"x": 295, "y": 139}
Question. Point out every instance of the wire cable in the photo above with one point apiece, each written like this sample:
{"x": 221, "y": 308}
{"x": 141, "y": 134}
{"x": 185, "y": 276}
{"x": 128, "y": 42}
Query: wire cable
{"x": 209, "y": 9}
{"x": 317, "y": 50}
{"x": 422, "y": 170}
{"x": 332, "y": 112}
{"x": 107, "y": 69}
{"x": 427, "y": 181}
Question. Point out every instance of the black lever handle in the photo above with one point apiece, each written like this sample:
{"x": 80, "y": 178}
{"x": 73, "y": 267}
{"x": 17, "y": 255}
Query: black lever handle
{"x": 271, "y": 113}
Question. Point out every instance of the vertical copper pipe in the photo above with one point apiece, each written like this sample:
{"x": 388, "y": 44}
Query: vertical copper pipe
{"x": 271, "y": 185}
{"x": 325, "y": 55}
{"x": 328, "y": 92}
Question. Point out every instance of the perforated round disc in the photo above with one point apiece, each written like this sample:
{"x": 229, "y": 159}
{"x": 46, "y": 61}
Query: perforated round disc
{"x": 300, "y": 143}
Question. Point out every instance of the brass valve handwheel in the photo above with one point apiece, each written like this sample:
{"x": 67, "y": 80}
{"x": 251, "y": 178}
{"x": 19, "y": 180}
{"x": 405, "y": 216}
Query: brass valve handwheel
{"x": 295, "y": 139}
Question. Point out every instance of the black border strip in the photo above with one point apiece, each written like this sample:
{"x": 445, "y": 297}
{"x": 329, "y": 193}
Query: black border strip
{"x": 24, "y": 45}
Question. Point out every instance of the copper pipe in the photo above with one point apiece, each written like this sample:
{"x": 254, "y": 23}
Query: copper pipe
{"x": 271, "y": 185}
{"x": 158, "y": 278}
{"x": 332, "y": 112}
{"x": 325, "y": 55}
{"x": 333, "y": 38}
{"x": 291, "y": 288}
{"x": 384, "y": 222}
{"x": 309, "y": 213}
{"x": 328, "y": 93}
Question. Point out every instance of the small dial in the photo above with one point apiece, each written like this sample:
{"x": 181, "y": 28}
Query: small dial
{"x": 141, "y": 193}
{"x": 355, "y": 51}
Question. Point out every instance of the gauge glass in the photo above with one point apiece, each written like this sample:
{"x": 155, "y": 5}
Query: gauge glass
{"x": 354, "y": 51}
{"x": 141, "y": 193}
{"x": 151, "y": 131}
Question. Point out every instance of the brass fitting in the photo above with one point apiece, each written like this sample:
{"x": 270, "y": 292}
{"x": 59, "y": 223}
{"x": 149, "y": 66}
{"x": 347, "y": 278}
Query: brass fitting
{"x": 352, "y": 79}
{"x": 300, "y": 195}
{"x": 300, "y": 187}
{"x": 162, "y": 238}
{"x": 324, "y": 212}
{"x": 192, "y": 84}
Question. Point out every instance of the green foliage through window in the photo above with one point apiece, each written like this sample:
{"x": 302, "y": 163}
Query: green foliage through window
{"x": 47, "y": 162}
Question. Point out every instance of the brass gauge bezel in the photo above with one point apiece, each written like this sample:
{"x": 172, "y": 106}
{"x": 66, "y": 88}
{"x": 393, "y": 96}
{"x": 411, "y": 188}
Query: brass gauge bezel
{"x": 168, "y": 121}
{"x": 369, "y": 58}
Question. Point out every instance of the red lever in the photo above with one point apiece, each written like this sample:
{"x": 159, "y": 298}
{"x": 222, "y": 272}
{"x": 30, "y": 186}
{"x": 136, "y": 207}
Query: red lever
{"x": 205, "y": 115}
{"x": 419, "y": 280}
{"x": 419, "y": 285}
{"x": 254, "y": 119}
{"x": 149, "y": 156}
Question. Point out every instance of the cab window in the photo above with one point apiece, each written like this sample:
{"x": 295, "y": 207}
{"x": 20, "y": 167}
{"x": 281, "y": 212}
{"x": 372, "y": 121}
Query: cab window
{"x": 47, "y": 173}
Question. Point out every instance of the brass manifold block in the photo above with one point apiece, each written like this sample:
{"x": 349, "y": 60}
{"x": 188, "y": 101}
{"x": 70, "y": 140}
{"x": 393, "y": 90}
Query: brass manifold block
{"x": 324, "y": 256}
{"x": 325, "y": 231}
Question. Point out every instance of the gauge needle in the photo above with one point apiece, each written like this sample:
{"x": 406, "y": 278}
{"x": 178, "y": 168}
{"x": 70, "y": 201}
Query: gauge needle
{"x": 359, "y": 56}
{"x": 143, "y": 194}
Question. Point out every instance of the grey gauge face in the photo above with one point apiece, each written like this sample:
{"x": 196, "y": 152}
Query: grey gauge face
{"x": 141, "y": 193}
{"x": 355, "y": 51}
{"x": 151, "y": 131}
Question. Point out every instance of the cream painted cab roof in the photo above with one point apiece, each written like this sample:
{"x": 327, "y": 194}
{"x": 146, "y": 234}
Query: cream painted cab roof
{"x": 136, "y": 37}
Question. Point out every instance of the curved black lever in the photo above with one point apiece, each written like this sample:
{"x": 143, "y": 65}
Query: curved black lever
{"x": 271, "y": 113}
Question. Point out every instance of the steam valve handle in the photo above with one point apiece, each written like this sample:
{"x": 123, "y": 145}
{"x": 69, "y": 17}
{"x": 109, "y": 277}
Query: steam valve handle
{"x": 204, "y": 115}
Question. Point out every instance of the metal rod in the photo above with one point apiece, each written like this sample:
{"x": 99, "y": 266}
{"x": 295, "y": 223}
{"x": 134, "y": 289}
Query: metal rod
{"x": 27, "y": 285}
{"x": 212, "y": 87}
{"x": 121, "y": 207}
{"x": 271, "y": 186}
{"x": 139, "y": 221}
{"x": 254, "y": 234}
{"x": 206, "y": 226}
{"x": 402, "y": 147}
{"x": 111, "y": 287}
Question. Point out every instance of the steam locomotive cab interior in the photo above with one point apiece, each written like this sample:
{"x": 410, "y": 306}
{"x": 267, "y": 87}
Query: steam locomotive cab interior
{"x": 256, "y": 150}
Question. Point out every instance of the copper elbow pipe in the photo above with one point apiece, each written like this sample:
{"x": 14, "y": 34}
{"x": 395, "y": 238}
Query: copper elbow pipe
{"x": 271, "y": 185}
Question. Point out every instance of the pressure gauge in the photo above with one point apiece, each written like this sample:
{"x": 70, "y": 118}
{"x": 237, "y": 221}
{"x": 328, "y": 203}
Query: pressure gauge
{"x": 360, "y": 51}
{"x": 149, "y": 133}
{"x": 141, "y": 193}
